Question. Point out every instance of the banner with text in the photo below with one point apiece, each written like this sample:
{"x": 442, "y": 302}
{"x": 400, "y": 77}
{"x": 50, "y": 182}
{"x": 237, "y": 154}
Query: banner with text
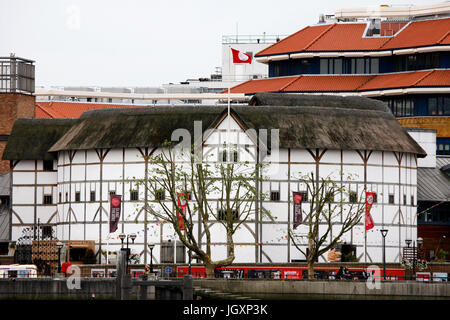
{"x": 298, "y": 218}
{"x": 115, "y": 201}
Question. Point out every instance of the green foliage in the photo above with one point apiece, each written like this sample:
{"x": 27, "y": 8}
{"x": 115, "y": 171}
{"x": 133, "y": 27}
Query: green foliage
{"x": 443, "y": 254}
{"x": 349, "y": 257}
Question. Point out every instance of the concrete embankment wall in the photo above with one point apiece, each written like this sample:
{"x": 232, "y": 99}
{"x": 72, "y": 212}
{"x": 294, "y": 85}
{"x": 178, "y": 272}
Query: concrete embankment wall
{"x": 56, "y": 289}
{"x": 276, "y": 289}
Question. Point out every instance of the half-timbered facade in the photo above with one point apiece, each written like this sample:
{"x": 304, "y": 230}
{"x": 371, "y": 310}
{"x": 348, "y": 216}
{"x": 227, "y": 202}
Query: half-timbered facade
{"x": 106, "y": 151}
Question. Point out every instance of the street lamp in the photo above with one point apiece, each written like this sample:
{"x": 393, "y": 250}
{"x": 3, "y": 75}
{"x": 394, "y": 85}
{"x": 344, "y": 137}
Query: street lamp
{"x": 384, "y": 233}
{"x": 122, "y": 237}
{"x": 190, "y": 258}
{"x": 419, "y": 243}
{"x": 59, "y": 245}
{"x": 151, "y": 246}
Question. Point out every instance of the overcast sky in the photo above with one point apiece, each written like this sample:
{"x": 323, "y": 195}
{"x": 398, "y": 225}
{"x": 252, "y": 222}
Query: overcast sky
{"x": 145, "y": 43}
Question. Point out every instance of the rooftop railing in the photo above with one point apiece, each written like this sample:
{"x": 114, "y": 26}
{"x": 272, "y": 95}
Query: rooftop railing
{"x": 16, "y": 75}
{"x": 262, "y": 38}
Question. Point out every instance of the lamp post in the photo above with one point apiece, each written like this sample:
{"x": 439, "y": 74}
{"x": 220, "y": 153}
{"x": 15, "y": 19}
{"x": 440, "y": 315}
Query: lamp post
{"x": 384, "y": 233}
{"x": 415, "y": 253}
{"x": 151, "y": 246}
{"x": 59, "y": 245}
{"x": 190, "y": 258}
{"x": 122, "y": 237}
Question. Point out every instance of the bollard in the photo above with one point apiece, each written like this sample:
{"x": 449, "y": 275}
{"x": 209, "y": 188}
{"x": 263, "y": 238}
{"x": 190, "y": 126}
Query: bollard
{"x": 142, "y": 292}
{"x": 188, "y": 288}
{"x": 126, "y": 287}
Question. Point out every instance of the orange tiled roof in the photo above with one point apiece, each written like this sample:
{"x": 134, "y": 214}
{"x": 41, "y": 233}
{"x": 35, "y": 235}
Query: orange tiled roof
{"x": 346, "y": 83}
{"x": 264, "y": 85}
{"x": 421, "y": 33}
{"x": 56, "y": 109}
{"x": 350, "y": 37}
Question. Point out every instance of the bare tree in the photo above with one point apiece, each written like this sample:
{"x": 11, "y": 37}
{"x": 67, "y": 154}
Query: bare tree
{"x": 324, "y": 211}
{"x": 212, "y": 192}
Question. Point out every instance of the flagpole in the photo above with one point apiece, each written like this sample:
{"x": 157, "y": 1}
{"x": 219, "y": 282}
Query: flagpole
{"x": 229, "y": 101}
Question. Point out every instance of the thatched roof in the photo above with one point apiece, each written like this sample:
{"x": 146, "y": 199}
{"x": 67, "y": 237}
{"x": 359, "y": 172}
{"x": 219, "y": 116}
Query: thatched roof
{"x": 31, "y": 139}
{"x": 331, "y": 122}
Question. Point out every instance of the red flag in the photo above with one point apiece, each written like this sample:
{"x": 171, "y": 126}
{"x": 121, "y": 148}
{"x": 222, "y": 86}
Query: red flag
{"x": 298, "y": 198}
{"x": 369, "y": 201}
{"x": 115, "y": 200}
{"x": 182, "y": 204}
{"x": 240, "y": 57}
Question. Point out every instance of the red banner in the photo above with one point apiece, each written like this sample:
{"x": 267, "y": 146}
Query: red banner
{"x": 370, "y": 196}
{"x": 298, "y": 198}
{"x": 182, "y": 204}
{"x": 115, "y": 201}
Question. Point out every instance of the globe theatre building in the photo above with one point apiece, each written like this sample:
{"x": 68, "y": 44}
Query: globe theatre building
{"x": 63, "y": 171}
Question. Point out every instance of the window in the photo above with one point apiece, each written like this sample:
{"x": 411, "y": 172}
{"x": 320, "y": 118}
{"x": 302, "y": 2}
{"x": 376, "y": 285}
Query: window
{"x": 446, "y": 105}
{"x": 404, "y": 199}
{"x": 167, "y": 252}
{"x": 47, "y": 231}
{"x": 353, "y": 197}
{"x": 134, "y": 195}
{"x": 412, "y": 200}
{"x": 67, "y": 197}
{"x": 92, "y": 196}
{"x": 337, "y": 66}
{"x": 374, "y": 65}
{"x": 48, "y": 199}
{"x": 48, "y": 165}
{"x": 275, "y": 196}
{"x": 391, "y": 199}
{"x": 222, "y": 215}
{"x": 60, "y": 197}
{"x": 324, "y": 66}
{"x": 77, "y": 196}
{"x": 160, "y": 195}
{"x": 432, "y": 106}
{"x": 234, "y": 156}
{"x": 359, "y": 66}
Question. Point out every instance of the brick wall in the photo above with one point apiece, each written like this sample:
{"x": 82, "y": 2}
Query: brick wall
{"x": 12, "y": 107}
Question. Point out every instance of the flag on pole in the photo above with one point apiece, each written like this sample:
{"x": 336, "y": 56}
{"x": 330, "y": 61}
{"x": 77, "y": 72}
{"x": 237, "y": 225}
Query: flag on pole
{"x": 298, "y": 198}
{"x": 114, "y": 212}
{"x": 241, "y": 57}
{"x": 369, "y": 201}
{"x": 182, "y": 205}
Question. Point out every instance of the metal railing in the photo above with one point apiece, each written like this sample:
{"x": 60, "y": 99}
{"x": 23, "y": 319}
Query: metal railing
{"x": 16, "y": 75}
{"x": 260, "y": 38}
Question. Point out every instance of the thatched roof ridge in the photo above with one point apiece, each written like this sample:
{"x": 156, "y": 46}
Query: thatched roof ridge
{"x": 31, "y": 139}
{"x": 325, "y": 122}
{"x": 325, "y": 101}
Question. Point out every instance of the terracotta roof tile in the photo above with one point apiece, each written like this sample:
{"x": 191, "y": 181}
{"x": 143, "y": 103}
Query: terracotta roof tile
{"x": 334, "y": 83}
{"x": 347, "y": 37}
{"x": 420, "y": 33}
{"x": 56, "y": 109}
{"x": 264, "y": 85}
{"x": 295, "y": 42}
{"x": 350, "y": 37}
{"x": 346, "y": 83}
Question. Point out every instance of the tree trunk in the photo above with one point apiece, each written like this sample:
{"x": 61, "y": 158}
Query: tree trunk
{"x": 310, "y": 269}
{"x": 210, "y": 270}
